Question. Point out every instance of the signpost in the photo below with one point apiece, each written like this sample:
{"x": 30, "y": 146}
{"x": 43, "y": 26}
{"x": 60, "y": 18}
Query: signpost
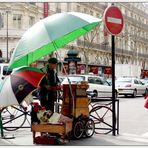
{"x": 113, "y": 20}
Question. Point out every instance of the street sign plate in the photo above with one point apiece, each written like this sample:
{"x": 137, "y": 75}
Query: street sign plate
{"x": 113, "y": 20}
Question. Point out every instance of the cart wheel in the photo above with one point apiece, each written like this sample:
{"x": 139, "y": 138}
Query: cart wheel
{"x": 78, "y": 130}
{"x": 89, "y": 128}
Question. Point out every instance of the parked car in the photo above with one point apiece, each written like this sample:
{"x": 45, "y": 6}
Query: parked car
{"x": 97, "y": 85}
{"x": 4, "y": 70}
{"x": 130, "y": 86}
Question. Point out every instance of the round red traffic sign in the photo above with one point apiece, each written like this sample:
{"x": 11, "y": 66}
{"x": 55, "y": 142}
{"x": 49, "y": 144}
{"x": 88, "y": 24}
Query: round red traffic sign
{"x": 113, "y": 20}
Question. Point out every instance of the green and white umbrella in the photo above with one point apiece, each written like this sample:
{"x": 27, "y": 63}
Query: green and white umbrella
{"x": 50, "y": 34}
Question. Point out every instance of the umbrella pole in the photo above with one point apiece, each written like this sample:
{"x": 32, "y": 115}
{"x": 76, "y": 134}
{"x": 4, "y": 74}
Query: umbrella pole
{"x": 73, "y": 107}
{"x": 1, "y": 125}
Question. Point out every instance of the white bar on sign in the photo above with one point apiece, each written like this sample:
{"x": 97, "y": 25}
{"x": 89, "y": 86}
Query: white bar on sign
{"x": 114, "y": 20}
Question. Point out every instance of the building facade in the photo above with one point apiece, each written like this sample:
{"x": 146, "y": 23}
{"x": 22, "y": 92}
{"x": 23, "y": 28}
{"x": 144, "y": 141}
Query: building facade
{"x": 131, "y": 46}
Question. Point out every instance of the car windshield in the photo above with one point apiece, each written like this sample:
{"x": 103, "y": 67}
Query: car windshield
{"x": 73, "y": 79}
{"x": 6, "y": 71}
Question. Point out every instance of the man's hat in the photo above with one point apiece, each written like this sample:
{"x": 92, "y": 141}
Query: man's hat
{"x": 53, "y": 61}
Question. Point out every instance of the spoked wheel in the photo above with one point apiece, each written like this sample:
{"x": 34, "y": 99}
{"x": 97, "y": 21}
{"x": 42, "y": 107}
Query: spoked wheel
{"x": 102, "y": 117}
{"x": 13, "y": 117}
{"x": 78, "y": 130}
{"x": 89, "y": 128}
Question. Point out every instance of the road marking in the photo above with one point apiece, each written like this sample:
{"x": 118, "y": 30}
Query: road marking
{"x": 114, "y": 20}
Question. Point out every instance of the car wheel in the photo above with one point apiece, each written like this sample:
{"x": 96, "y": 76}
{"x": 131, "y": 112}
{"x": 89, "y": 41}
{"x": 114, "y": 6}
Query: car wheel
{"x": 95, "y": 93}
{"x": 134, "y": 93}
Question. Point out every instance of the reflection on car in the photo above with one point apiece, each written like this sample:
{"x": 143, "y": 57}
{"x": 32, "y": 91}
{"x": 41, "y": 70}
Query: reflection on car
{"x": 97, "y": 85}
{"x": 130, "y": 86}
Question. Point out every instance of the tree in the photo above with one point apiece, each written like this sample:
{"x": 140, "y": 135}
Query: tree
{"x": 88, "y": 41}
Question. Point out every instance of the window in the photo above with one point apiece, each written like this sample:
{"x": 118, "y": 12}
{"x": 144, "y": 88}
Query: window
{"x": 78, "y": 8}
{"x": 31, "y": 20}
{"x": 98, "y": 81}
{"x": 58, "y": 7}
{"x": 6, "y": 71}
{"x": 136, "y": 82}
{"x": 68, "y": 6}
{"x": 1, "y": 21}
{"x": 91, "y": 80}
{"x": 91, "y": 13}
{"x": 85, "y": 10}
{"x": 32, "y": 3}
{"x": 17, "y": 21}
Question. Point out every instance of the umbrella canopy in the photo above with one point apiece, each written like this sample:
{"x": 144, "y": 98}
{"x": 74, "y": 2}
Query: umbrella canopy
{"x": 18, "y": 85}
{"x": 50, "y": 34}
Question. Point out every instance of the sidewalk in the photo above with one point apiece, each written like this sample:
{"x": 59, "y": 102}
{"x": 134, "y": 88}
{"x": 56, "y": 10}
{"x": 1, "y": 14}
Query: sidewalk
{"x": 24, "y": 138}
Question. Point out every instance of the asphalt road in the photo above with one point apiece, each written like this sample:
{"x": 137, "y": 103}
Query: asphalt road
{"x": 133, "y": 116}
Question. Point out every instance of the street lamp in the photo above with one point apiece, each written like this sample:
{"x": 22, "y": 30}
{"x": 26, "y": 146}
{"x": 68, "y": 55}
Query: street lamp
{"x": 7, "y": 12}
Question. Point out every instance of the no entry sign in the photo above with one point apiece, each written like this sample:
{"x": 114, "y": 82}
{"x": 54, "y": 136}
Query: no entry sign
{"x": 113, "y": 20}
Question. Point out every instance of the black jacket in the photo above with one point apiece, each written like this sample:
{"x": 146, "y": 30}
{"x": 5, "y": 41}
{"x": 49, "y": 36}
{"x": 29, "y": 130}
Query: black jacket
{"x": 50, "y": 79}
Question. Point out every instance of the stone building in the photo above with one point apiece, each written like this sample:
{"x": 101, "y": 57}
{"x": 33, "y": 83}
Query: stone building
{"x": 94, "y": 48}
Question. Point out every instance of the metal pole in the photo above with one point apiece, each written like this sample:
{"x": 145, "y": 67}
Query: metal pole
{"x": 113, "y": 86}
{"x": 7, "y": 36}
{"x": 1, "y": 125}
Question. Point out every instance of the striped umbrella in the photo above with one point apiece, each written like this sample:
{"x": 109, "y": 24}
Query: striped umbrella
{"x": 17, "y": 86}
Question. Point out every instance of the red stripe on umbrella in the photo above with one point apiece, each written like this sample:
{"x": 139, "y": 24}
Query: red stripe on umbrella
{"x": 28, "y": 75}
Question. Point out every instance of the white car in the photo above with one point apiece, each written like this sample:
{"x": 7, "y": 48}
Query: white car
{"x": 4, "y": 70}
{"x": 130, "y": 86}
{"x": 97, "y": 85}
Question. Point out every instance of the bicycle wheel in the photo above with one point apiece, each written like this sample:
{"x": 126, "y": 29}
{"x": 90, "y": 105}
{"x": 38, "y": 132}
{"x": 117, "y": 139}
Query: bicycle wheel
{"x": 13, "y": 117}
{"x": 102, "y": 117}
{"x": 78, "y": 129}
{"x": 89, "y": 128}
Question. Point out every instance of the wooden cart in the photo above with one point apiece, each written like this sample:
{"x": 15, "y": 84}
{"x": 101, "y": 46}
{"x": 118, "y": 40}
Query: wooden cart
{"x": 57, "y": 129}
{"x": 75, "y": 107}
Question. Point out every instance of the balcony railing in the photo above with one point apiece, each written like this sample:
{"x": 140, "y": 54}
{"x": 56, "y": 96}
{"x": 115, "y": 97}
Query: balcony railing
{"x": 136, "y": 22}
{"x": 13, "y": 33}
{"x": 96, "y": 5}
{"x": 136, "y": 9}
{"x": 106, "y": 47}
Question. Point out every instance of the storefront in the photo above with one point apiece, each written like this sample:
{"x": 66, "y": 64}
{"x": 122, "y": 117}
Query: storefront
{"x": 144, "y": 73}
{"x": 104, "y": 71}
{"x": 107, "y": 72}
